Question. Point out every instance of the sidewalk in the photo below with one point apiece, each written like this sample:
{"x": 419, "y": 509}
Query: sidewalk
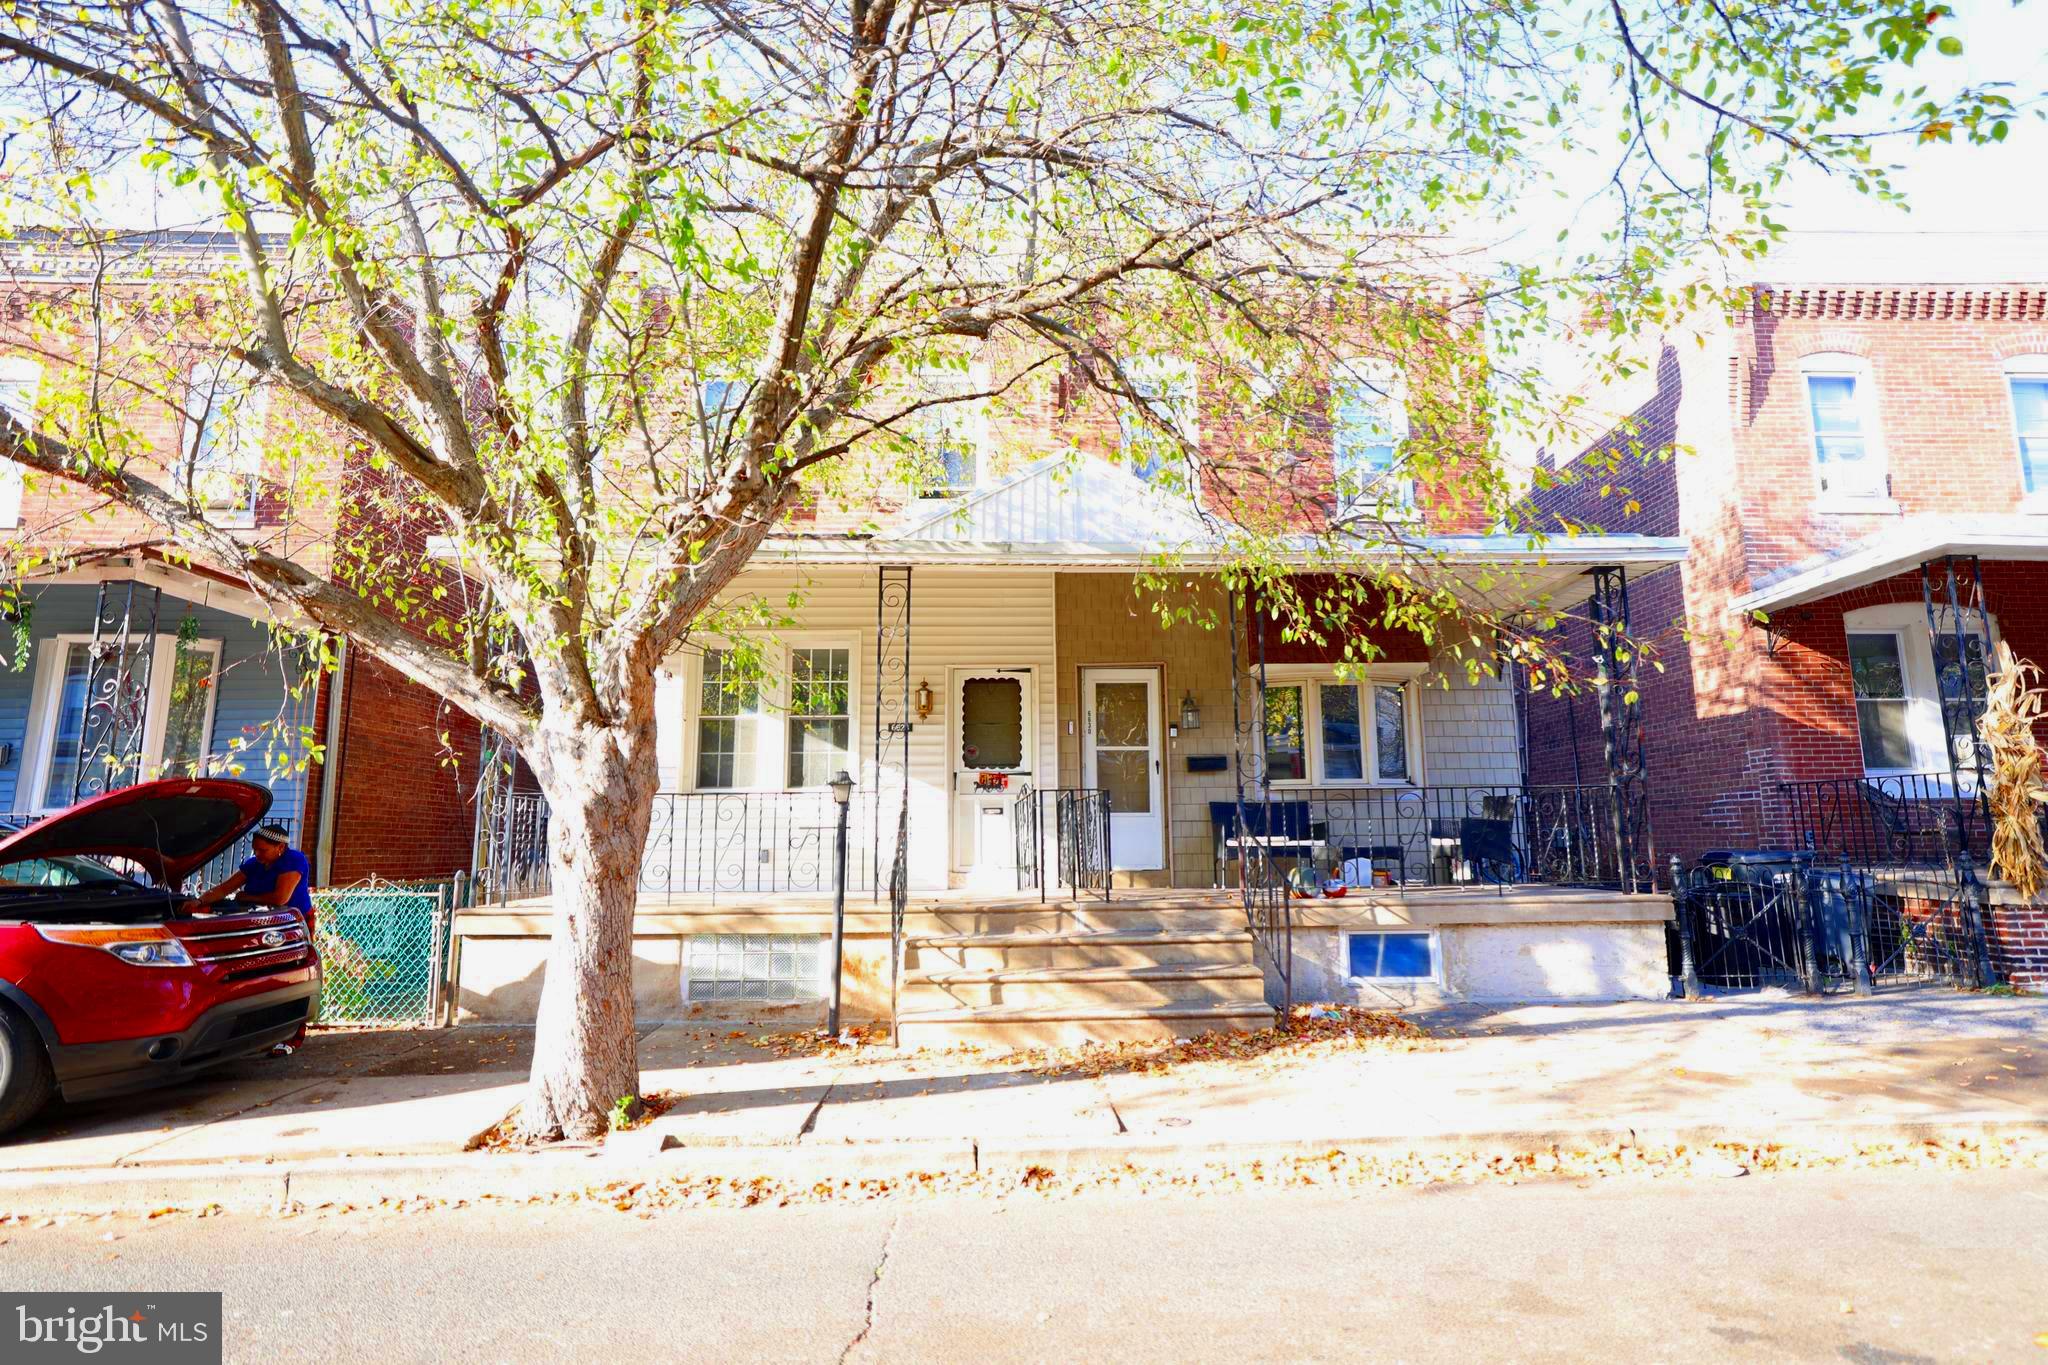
{"x": 1749, "y": 1069}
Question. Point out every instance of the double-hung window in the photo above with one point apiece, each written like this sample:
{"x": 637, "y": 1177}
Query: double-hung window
{"x": 1331, "y": 730}
{"x": 1912, "y": 692}
{"x": 223, "y": 458}
{"x": 1147, "y": 444}
{"x": 2026, "y": 379}
{"x": 1848, "y": 452}
{"x": 949, "y": 433}
{"x": 19, "y": 380}
{"x": 782, "y": 720}
{"x": 1368, "y": 423}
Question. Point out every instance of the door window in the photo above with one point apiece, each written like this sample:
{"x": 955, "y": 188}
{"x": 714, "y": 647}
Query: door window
{"x": 992, "y": 723}
{"x": 1123, "y": 745}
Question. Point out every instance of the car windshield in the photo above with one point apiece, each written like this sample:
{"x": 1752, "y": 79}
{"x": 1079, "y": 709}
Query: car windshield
{"x": 37, "y": 872}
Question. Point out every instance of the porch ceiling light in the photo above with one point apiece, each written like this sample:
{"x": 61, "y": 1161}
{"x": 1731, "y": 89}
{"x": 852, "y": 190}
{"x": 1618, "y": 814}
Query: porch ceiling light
{"x": 1190, "y": 714}
{"x": 842, "y": 787}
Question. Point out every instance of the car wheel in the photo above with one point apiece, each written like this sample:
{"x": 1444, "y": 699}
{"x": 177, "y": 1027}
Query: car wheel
{"x": 25, "y": 1080}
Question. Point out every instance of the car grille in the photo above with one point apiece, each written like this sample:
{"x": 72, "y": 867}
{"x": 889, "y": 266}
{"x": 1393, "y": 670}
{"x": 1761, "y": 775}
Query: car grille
{"x": 251, "y": 951}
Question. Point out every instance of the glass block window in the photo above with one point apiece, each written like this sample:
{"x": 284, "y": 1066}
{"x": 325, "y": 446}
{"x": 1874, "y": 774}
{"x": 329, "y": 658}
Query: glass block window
{"x": 1392, "y": 957}
{"x": 759, "y": 967}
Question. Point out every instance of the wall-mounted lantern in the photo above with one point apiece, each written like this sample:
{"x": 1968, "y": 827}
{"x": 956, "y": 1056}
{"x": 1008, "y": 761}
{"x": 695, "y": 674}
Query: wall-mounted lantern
{"x": 924, "y": 700}
{"x": 1190, "y": 714}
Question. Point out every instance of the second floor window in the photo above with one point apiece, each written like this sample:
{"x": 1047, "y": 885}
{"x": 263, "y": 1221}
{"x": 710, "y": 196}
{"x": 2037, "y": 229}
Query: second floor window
{"x": 19, "y": 380}
{"x": 2028, "y": 380}
{"x": 223, "y": 449}
{"x": 1368, "y": 423}
{"x": 1846, "y": 449}
{"x": 1167, "y": 384}
{"x": 949, "y": 434}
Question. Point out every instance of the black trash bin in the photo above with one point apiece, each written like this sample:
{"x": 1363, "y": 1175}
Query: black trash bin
{"x": 1749, "y": 917}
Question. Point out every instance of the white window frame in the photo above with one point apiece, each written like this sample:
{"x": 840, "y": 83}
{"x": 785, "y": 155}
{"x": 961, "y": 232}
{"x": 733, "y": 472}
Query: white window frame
{"x": 1312, "y": 680}
{"x": 1156, "y": 377}
{"x": 771, "y": 751}
{"x": 1436, "y": 956}
{"x": 2026, "y": 369}
{"x": 204, "y": 393}
{"x": 1389, "y": 493}
{"x": 39, "y": 746}
{"x": 17, "y": 370}
{"x": 1841, "y": 365}
{"x": 1908, "y": 621}
{"x": 967, "y": 418}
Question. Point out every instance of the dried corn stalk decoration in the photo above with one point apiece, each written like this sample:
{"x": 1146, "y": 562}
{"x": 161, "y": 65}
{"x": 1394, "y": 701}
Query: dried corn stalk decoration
{"x": 2019, "y": 772}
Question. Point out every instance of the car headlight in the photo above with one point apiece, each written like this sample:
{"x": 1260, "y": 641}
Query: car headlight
{"x": 143, "y": 947}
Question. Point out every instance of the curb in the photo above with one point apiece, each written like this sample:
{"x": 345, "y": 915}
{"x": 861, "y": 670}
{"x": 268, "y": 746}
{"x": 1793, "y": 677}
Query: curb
{"x": 253, "y": 1187}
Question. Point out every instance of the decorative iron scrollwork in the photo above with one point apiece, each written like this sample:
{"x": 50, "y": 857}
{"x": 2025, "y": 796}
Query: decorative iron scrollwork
{"x": 117, "y": 664}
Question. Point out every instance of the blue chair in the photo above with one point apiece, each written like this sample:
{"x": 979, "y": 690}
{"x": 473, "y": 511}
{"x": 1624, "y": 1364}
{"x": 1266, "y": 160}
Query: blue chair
{"x": 1275, "y": 826}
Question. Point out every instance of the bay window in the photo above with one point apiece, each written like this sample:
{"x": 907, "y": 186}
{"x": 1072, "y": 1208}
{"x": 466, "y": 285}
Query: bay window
{"x": 1332, "y": 730}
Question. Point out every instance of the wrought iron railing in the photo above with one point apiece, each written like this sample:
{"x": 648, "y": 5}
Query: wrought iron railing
{"x": 1902, "y": 819}
{"x": 1069, "y": 826}
{"x": 899, "y": 905}
{"x": 1557, "y": 835}
{"x": 709, "y": 843}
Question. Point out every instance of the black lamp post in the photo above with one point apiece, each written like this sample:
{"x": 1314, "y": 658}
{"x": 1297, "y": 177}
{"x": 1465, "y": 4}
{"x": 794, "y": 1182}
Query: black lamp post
{"x": 842, "y": 793}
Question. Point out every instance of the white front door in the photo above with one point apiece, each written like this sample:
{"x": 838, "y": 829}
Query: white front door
{"x": 993, "y": 739}
{"x": 1121, "y": 755}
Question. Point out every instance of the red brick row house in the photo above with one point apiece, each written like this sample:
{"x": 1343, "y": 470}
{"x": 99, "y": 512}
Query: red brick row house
{"x": 1862, "y": 476}
{"x": 374, "y": 775}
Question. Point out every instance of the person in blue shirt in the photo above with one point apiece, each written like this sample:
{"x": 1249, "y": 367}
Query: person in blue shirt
{"x": 275, "y": 873}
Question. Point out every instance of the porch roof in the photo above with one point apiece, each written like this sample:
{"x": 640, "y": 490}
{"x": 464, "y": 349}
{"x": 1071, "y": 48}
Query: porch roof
{"x": 1088, "y": 514}
{"x": 1897, "y": 549}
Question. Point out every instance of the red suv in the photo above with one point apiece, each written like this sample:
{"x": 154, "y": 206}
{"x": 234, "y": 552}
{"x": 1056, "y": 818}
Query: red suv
{"x": 106, "y": 985}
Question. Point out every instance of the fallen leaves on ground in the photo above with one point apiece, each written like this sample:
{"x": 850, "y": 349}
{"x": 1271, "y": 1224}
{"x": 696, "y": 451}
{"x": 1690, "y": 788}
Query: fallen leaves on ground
{"x": 1310, "y": 1031}
{"x": 1335, "y": 1169}
{"x": 818, "y": 1043}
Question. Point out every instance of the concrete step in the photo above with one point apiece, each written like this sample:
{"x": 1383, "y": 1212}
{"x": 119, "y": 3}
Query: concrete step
{"x": 1068, "y": 1026}
{"x": 1137, "y": 948}
{"x": 1096, "y": 984}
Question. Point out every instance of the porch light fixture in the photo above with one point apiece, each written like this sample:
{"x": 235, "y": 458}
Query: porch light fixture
{"x": 1190, "y": 714}
{"x": 842, "y": 787}
{"x": 924, "y": 700}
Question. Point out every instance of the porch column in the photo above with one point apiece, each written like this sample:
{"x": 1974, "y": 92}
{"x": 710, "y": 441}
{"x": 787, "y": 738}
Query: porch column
{"x": 1952, "y": 590}
{"x": 1621, "y": 727}
{"x": 124, "y": 626}
{"x": 892, "y": 710}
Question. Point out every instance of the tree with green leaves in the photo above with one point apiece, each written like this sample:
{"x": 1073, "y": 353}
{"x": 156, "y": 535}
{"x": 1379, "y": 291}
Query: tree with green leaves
{"x": 603, "y": 292}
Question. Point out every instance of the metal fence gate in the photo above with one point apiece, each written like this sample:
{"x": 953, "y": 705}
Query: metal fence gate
{"x": 1822, "y": 929}
{"x": 384, "y": 951}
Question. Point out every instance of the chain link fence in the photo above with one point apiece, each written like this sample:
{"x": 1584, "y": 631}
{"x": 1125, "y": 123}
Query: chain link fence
{"x": 384, "y": 950}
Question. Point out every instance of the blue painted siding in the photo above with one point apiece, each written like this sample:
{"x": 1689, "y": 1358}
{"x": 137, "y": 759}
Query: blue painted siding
{"x": 253, "y": 710}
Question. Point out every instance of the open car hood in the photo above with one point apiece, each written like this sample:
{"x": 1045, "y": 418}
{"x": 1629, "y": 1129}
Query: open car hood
{"x": 169, "y": 829}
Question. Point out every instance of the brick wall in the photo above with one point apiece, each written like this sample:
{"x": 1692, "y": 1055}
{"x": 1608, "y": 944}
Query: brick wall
{"x": 1728, "y": 718}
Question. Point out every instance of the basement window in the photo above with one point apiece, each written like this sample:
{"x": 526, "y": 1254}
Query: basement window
{"x": 772, "y": 968}
{"x": 1392, "y": 956}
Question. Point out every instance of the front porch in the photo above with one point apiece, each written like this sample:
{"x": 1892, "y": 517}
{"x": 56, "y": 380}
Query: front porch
{"x": 1146, "y": 961}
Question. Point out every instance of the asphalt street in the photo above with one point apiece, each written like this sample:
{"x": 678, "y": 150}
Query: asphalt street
{"x": 1862, "y": 1267}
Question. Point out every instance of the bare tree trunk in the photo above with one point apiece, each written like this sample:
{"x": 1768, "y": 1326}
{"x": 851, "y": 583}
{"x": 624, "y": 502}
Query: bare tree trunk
{"x": 600, "y": 783}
